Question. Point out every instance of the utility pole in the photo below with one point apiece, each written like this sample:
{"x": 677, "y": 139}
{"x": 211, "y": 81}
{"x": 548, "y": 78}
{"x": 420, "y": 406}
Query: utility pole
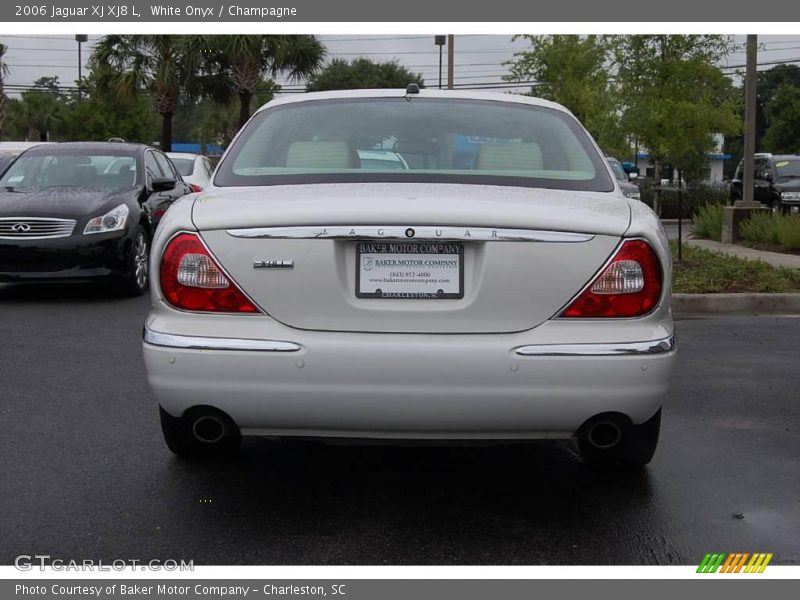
{"x": 439, "y": 40}
{"x": 733, "y": 216}
{"x": 749, "y": 120}
{"x": 80, "y": 38}
{"x": 451, "y": 47}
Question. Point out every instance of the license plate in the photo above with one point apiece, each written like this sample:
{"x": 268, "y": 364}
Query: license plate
{"x": 410, "y": 270}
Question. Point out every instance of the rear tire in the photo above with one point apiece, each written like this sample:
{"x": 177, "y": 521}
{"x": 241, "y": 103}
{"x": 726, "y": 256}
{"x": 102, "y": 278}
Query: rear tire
{"x": 635, "y": 449}
{"x": 181, "y": 440}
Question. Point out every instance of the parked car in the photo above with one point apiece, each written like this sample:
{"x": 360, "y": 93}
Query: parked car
{"x": 776, "y": 181}
{"x": 195, "y": 169}
{"x": 84, "y": 210}
{"x": 631, "y": 190}
{"x": 11, "y": 150}
{"x": 382, "y": 160}
{"x": 519, "y": 297}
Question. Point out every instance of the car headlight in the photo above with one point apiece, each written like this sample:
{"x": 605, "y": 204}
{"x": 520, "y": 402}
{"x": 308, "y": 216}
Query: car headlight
{"x": 790, "y": 195}
{"x": 634, "y": 195}
{"x": 113, "y": 220}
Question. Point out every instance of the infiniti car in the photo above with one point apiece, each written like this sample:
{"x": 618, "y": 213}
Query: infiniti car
{"x": 83, "y": 210}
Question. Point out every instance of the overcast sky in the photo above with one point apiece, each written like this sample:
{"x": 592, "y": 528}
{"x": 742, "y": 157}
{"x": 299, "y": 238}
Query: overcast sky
{"x": 479, "y": 58}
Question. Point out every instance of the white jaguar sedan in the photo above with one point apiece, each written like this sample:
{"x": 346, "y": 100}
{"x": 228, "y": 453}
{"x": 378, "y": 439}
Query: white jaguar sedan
{"x": 499, "y": 288}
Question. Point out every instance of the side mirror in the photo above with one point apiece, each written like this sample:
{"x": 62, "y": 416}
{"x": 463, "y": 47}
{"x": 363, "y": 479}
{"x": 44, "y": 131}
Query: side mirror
{"x": 162, "y": 184}
{"x": 767, "y": 175}
{"x": 633, "y": 176}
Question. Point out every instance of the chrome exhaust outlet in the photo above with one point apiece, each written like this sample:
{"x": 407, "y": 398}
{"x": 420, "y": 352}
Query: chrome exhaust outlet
{"x": 209, "y": 429}
{"x": 604, "y": 434}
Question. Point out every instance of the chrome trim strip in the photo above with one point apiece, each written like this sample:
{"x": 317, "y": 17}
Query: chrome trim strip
{"x": 168, "y": 340}
{"x": 398, "y": 232}
{"x": 607, "y": 349}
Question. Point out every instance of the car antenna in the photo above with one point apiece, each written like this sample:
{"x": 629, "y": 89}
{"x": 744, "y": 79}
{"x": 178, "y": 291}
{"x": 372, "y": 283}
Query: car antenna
{"x": 413, "y": 88}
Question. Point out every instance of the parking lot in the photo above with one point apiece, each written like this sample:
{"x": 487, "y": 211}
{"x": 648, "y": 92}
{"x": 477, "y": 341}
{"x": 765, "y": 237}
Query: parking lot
{"x": 86, "y": 474}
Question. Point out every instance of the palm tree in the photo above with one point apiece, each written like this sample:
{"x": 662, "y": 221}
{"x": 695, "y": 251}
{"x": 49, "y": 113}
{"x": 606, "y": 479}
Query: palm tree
{"x": 3, "y": 73}
{"x": 128, "y": 64}
{"x": 244, "y": 61}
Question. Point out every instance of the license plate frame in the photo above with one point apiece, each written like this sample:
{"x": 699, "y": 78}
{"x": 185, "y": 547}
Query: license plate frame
{"x": 447, "y": 249}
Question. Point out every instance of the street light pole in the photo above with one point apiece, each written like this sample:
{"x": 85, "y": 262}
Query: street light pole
{"x": 80, "y": 38}
{"x": 439, "y": 40}
{"x": 451, "y": 49}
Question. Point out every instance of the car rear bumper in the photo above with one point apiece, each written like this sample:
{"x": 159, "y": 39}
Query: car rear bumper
{"x": 408, "y": 386}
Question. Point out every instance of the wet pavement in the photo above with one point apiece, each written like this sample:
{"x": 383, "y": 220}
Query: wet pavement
{"x": 85, "y": 473}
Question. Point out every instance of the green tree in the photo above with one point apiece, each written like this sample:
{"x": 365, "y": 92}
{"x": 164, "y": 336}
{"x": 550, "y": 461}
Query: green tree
{"x": 767, "y": 84}
{"x": 241, "y": 63}
{"x": 101, "y": 114}
{"x": 674, "y": 98}
{"x": 38, "y": 113}
{"x": 574, "y": 71}
{"x": 130, "y": 64}
{"x": 783, "y": 120}
{"x": 362, "y": 73}
{"x": 218, "y": 122}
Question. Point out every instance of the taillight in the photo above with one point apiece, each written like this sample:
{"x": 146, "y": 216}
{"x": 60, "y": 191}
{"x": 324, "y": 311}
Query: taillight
{"x": 195, "y": 187}
{"x": 629, "y": 286}
{"x": 192, "y": 280}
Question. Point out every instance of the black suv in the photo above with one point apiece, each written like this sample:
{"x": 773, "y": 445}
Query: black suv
{"x": 777, "y": 181}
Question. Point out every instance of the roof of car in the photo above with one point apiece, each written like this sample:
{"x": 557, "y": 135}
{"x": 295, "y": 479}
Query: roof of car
{"x": 423, "y": 93}
{"x": 183, "y": 155}
{"x": 83, "y": 146}
{"x": 785, "y": 156}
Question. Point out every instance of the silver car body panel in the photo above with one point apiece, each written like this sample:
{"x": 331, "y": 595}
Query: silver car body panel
{"x": 408, "y": 386}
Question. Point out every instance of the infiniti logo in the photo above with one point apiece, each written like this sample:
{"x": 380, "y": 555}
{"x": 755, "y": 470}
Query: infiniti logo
{"x": 20, "y": 228}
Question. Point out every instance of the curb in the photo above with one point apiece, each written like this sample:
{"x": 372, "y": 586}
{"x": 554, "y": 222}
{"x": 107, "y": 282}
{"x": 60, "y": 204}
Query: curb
{"x": 736, "y": 304}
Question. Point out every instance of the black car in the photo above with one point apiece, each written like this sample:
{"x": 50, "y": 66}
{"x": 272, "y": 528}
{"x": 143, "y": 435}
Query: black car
{"x": 777, "y": 181}
{"x": 84, "y": 210}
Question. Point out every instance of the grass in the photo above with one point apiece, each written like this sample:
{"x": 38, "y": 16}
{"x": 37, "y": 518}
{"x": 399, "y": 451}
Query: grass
{"x": 763, "y": 230}
{"x": 706, "y": 272}
{"x": 707, "y": 222}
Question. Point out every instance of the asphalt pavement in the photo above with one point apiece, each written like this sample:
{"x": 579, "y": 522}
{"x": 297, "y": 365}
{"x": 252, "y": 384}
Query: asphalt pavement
{"x": 85, "y": 474}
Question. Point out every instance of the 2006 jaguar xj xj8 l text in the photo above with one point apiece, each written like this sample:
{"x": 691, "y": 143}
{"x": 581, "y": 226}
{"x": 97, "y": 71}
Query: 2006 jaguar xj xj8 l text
{"x": 411, "y": 265}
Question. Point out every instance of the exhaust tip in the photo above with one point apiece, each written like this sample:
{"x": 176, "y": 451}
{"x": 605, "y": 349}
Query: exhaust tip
{"x": 208, "y": 429}
{"x": 604, "y": 434}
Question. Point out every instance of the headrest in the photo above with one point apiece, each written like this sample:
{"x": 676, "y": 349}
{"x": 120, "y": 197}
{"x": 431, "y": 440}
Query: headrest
{"x": 511, "y": 157}
{"x": 320, "y": 155}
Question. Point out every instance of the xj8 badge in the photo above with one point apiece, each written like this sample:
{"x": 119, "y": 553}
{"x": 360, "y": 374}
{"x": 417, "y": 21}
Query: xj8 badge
{"x": 273, "y": 264}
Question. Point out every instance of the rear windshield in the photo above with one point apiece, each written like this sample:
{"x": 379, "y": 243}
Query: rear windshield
{"x": 185, "y": 166}
{"x": 79, "y": 169}
{"x": 418, "y": 140}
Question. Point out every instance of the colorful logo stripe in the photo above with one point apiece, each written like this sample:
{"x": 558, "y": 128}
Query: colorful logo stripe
{"x": 734, "y": 563}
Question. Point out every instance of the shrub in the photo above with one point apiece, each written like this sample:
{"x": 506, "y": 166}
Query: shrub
{"x": 761, "y": 228}
{"x": 694, "y": 198}
{"x": 789, "y": 232}
{"x": 708, "y": 222}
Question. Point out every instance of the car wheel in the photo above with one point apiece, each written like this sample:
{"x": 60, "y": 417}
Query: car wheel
{"x": 136, "y": 281}
{"x": 200, "y": 433}
{"x": 608, "y": 443}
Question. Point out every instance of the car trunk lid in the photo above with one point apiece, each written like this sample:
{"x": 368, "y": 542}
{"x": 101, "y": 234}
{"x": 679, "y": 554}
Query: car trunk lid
{"x": 520, "y": 254}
